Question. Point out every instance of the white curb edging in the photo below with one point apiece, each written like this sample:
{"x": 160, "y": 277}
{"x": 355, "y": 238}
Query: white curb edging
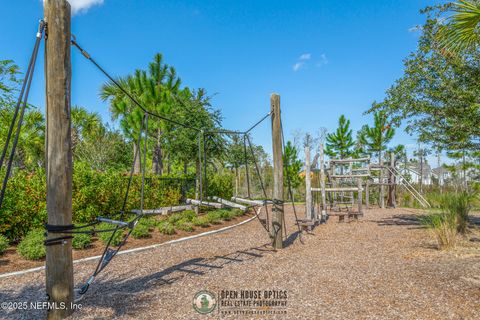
{"x": 153, "y": 246}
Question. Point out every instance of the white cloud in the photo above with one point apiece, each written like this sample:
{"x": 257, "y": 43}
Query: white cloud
{"x": 305, "y": 56}
{"x": 303, "y": 61}
{"x": 297, "y": 66}
{"x": 82, "y": 6}
{"x": 79, "y": 6}
{"x": 323, "y": 60}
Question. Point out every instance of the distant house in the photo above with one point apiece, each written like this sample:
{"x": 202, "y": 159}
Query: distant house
{"x": 414, "y": 171}
{"x": 442, "y": 175}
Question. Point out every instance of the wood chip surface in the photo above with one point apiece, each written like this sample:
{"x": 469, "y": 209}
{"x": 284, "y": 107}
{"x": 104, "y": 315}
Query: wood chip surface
{"x": 384, "y": 266}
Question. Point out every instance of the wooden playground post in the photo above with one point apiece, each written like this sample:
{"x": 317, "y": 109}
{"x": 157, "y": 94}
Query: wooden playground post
{"x": 277, "y": 210}
{"x": 381, "y": 196}
{"x": 308, "y": 186}
{"x": 334, "y": 183}
{"x": 367, "y": 194}
{"x": 360, "y": 196}
{"x": 391, "y": 184}
{"x": 322, "y": 182}
{"x": 59, "y": 266}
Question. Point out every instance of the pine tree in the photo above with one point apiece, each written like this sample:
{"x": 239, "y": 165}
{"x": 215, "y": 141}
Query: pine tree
{"x": 340, "y": 143}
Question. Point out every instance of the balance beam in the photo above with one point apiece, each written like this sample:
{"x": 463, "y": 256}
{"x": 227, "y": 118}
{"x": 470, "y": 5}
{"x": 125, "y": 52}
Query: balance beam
{"x": 163, "y": 210}
{"x": 248, "y": 201}
{"x": 205, "y": 203}
{"x": 230, "y": 204}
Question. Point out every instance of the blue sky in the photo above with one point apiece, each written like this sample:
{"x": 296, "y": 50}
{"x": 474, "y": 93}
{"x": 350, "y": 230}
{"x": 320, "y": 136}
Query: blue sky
{"x": 325, "y": 58}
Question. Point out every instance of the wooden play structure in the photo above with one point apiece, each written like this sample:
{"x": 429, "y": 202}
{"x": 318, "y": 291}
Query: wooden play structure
{"x": 343, "y": 187}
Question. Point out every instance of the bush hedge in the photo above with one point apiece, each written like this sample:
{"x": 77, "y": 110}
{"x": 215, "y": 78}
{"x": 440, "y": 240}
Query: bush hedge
{"x": 95, "y": 193}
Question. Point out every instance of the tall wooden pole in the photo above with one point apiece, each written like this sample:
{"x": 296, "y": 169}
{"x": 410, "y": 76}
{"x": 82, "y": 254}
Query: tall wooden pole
{"x": 308, "y": 186}
{"x": 59, "y": 266}
{"x": 322, "y": 182}
{"x": 359, "y": 196}
{"x": 391, "y": 182}
{"x": 381, "y": 196}
{"x": 277, "y": 211}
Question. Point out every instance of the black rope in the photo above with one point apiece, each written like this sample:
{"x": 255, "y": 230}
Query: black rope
{"x": 289, "y": 183}
{"x": 256, "y": 124}
{"x": 135, "y": 101}
{"x": 108, "y": 253}
{"x": 20, "y": 107}
{"x": 246, "y": 166}
{"x": 260, "y": 179}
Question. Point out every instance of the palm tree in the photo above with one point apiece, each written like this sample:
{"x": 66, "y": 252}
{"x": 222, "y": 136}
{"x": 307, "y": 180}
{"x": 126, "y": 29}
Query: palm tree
{"x": 85, "y": 125}
{"x": 461, "y": 30}
{"x": 31, "y": 143}
{"x": 340, "y": 143}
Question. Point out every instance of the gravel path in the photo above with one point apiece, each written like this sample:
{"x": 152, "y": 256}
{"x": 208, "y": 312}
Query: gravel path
{"x": 382, "y": 267}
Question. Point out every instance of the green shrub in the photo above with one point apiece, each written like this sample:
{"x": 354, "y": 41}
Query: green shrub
{"x": 189, "y": 215}
{"x": 226, "y": 215}
{"x": 175, "y": 217}
{"x": 221, "y": 185}
{"x": 140, "y": 231}
{"x": 201, "y": 221}
{"x": 105, "y": 236}
{"x": 24, "y": 206}
{"x": 32, "y": 247}
{"x": 166, "y": 227}
{"x": 184, "y": 225}
{"x": 81, "y": 241}
{"x": 237, "y": 212}
{"x": 149, "y": 222}
{"x": 214, "y": 217}
{"x": 3, "y": 244}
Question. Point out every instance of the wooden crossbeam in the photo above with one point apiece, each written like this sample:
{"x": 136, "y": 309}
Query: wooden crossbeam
{"x": 230, "y": 204}
{"x": 205, "y": 203}
{"x": 337, "y": 189}
{"x": 163, "y": 210}
{"x": 248, "y": 201}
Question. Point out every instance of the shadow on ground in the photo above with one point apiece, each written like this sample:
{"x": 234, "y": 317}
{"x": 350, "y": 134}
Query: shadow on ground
{"x": 411, "y": 220}
{"x": 123, "y": 293}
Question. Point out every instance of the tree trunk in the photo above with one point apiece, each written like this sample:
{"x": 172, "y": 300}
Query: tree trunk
{"x": 382, "y": 188}
{"x": 236, "y": 181}
{"x": 136, "y": 160}
{"x": 157, "y": 160}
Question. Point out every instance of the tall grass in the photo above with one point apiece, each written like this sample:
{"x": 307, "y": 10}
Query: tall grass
{"x": 449, "y": 218}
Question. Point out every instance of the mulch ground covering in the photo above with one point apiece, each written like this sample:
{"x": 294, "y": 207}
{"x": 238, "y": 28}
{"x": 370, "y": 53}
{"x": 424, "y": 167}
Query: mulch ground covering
{"x": 11, "y": 261}
{"x": 384, "y": 266}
